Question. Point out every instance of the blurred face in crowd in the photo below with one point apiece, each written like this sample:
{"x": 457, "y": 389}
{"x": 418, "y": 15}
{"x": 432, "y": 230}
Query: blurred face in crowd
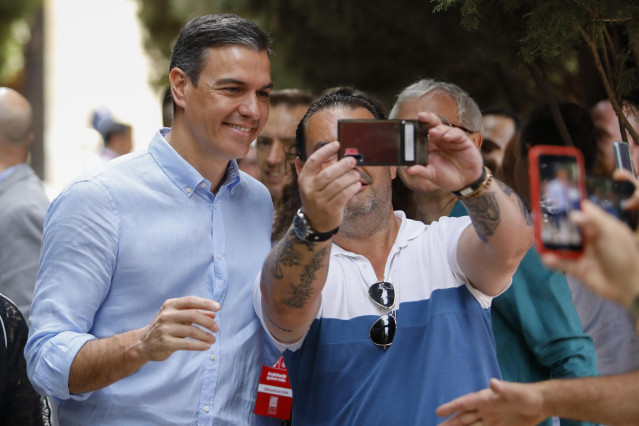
{"x": 498, "y": 131}
{"x": 607, "y": 128}
{"x": 122, "y": 142}
{"x": 276, "y": 139}
{"x": 225, "y": 112}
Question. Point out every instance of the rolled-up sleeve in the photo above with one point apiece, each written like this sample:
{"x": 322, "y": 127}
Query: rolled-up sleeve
{"x": 79, "y": 251}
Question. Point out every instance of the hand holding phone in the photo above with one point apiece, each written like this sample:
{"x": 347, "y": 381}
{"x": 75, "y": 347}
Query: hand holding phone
{"x": 384, "y": 142}
{"x": 557, "y": 186}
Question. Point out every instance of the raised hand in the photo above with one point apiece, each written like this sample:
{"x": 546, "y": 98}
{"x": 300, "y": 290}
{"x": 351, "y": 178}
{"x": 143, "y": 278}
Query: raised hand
{"x": 326, "y": 185}
{"x": 454, "y": 161}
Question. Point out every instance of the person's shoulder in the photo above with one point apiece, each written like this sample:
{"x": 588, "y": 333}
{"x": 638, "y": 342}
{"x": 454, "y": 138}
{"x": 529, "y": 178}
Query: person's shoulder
{"x": 253, "y": 187}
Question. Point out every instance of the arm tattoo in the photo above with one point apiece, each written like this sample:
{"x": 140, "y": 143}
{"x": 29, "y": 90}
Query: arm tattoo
{"x": 524, "y": 210}
{"x": 286, "y": 255}
{"x": 485, "y": 214}
{"x": 285, "y": 330}
{"x": 300, "y": 293}
{"x": 507, "y": 189}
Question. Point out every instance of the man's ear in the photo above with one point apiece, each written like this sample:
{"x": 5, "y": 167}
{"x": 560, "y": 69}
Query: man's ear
{"x": 477, "y": 139}
{"x": 298, "y": 165}
{"x": 393, "y": 172}
{"x": 178, "y": 80}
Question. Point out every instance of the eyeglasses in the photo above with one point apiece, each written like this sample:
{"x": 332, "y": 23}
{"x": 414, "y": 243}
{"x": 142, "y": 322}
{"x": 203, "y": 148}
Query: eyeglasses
{"x": 383, "y": 330}
{"x": 447, "y": 122}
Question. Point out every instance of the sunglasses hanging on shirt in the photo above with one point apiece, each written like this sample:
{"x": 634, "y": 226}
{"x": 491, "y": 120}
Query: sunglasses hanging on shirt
{"x": 382, "y": 331}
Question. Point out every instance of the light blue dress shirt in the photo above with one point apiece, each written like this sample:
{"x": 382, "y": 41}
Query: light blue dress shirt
{"x": 120, "y": 241}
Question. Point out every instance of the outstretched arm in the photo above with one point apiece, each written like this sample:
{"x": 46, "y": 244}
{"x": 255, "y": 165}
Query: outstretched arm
{"x": 295, "y": 270}
{"x": 489, "y": 252}
{"x": 609, "y": 400}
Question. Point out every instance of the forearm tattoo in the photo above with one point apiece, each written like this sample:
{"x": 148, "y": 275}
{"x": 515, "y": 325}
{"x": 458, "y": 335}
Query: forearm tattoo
{"x": 287, "y": 257}
{"x": 285, "y": 330}
{"x": 484, "y": 213}
{"x": 524, "y": 210}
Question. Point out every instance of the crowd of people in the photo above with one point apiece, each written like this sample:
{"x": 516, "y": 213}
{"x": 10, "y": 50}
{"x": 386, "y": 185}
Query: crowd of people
{"x": 155, "y": 286}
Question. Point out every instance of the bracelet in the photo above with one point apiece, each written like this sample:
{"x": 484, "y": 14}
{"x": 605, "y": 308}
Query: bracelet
{"x": 475, "y": 188}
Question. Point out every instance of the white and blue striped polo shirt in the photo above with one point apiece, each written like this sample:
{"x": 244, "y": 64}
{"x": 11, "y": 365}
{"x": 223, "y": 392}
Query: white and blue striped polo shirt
{"x": 443, "y": 348}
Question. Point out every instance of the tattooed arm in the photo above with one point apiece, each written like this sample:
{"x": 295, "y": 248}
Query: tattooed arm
{"x": 295, "y": 270}
{"x": 489, "y": 251}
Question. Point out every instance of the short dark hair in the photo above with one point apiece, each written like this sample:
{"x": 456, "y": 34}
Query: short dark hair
{"x": 348, "y": 98}
{"x": 201, "y": 33}
{"x": 540, "y": 129}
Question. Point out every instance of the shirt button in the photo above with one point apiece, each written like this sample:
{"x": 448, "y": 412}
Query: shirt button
{"x": 215, "y": 206}
{"x": 219, "y": 256}
{"x": 207, "y": 408}
{"x": 212, "y": 357}
{"x": 188, "y": 190}
{"x": 202, "y": 185}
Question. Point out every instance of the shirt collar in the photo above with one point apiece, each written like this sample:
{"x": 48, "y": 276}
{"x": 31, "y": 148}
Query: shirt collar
{"x": 5, "y": 174}
{"x": 408, "y": 230}
{"x": 181, "y": 173}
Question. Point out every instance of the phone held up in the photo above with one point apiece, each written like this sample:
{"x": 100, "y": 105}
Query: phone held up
{"x": 623, "y": 159}
{"x": 557, "y": 186}
{"x": 384, "y": 142}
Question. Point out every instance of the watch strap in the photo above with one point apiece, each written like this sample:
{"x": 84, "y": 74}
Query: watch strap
{"x": 304, "y": 231}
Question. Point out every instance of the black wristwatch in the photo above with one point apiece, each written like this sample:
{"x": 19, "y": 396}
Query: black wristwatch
{"x": 306, "y": 233}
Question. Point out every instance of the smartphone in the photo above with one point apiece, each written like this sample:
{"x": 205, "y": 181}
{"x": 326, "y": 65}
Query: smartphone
{"x": 622, "y": 156}
{"x": 610, "y": 195}
{"x": 383, "y": 142}
{"x": 557, "y": 186}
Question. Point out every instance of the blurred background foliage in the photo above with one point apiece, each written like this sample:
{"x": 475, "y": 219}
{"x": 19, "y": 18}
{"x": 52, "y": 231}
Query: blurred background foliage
{"x": 512, "y": 53}
{"x": 15, "y": 33}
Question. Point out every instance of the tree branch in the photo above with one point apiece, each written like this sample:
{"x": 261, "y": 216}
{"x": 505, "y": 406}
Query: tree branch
{"x": 545, "y": 87}
{"x": 611, "y": 94}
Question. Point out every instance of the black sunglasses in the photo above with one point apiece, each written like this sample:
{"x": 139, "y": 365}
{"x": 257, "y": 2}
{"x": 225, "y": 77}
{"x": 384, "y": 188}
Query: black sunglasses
{"x": 383, "y": 330}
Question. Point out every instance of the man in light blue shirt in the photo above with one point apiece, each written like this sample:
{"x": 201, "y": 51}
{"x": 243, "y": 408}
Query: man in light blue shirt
{"x": 142, "y": 311}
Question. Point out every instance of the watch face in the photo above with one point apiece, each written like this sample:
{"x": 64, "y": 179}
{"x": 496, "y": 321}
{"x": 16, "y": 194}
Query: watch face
{"x": 299, "y": 225}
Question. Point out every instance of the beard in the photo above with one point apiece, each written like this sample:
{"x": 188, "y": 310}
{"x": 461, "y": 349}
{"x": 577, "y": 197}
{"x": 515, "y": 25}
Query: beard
{"x": 367, "y": 212}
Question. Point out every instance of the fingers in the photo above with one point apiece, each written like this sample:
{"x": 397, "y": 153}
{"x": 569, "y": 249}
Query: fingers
{"x": 316, "y": 159}
{"x": 327, "y": 185}
{"x": 440, "y": 130}
{"x": 463, "y": 403}
{"x": 192, "y": 302}
{"x": 624, "y": 175}
{"x": 185, "y": 323}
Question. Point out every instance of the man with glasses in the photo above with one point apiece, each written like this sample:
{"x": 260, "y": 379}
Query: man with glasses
{"x": 537, "y": 330}
{"x": 381, "y": 318}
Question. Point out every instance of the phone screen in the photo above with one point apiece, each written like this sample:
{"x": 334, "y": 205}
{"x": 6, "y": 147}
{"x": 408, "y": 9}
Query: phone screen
{"x": 559, "y": 194}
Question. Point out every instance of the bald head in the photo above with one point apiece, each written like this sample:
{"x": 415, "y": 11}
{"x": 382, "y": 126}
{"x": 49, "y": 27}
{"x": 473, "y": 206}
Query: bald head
{"x": 15, "y": 118}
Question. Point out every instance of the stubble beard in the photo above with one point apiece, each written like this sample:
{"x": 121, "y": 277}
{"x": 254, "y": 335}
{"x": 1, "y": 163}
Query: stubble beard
{"x": 363, "y": 218}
